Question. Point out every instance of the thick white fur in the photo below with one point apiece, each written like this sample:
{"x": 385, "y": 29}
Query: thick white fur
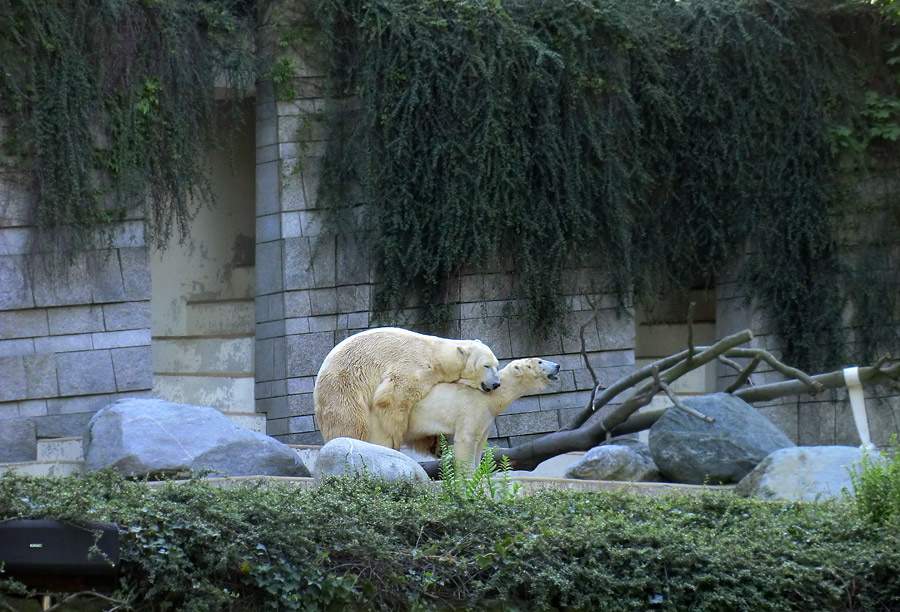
{"x": 368, "y": 383}
{"x": 467, "y": 414}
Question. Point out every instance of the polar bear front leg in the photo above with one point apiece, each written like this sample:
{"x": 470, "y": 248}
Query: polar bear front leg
{"x": 392, "y": 403}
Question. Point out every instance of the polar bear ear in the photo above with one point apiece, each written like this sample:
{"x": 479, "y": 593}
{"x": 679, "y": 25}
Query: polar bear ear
{"x": 517, "y": 368}
{"x": 464, "y": 352}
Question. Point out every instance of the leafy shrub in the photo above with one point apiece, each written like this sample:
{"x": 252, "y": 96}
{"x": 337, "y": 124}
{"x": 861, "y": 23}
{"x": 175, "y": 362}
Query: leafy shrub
{"x": 370, "y": 545}
{"x": 876, "y": 484}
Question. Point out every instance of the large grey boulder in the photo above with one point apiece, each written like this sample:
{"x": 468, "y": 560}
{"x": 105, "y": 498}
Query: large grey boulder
{"x": 147, "y": 437}
{"x": 613, "y": 462}
{"x": 802, "y": 473}
{"x": 689, "y": 450}
{"x": 351, "y": 456}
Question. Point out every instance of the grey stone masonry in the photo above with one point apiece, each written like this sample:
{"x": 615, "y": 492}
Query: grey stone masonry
{"x": 74, "y": 332}
{"x": 823, "y": 419}
{"x": 314, "y": 288}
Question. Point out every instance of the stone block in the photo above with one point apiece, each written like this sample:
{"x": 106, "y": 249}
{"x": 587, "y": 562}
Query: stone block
{"x": 61, "y": 284}
{"x": 15, "y": 284}
{"x": 40, "y": 376}
{"x": 353, "y": 261}
{"x": 523, "y": 340}
{"x": 133, "y": 368}
{"x": 300, "y": 424}
{"x": 493, "y": 331}
{"x": 358, "y": 320}
{"x": 273, "y": 407}
{"x": 126, "y": 315}
{"x": 268, "y": 188}
{"x": 303, "y": 384}
{"x": 297, "y": 304}
{"x": 527, "y": 423}
{"x": 323, "y": 301}
{"x": 290, "y": 225}
{"x": 33, "y": 408}
{"x": 13, "y": 384}
{"x": 129, "y": 234}
{"x": 269, "y": 262}
{"x": 63, "y": 344}
{"x": 558, "y": 401}
{"x": 524, "y": 404}
{"x": 306, "y": 352}
{"x": 310, "y": 223}
{"x": 266, "y": 130}
{"x": 296, "y": 326}
{"x": 816, "y": 423}
{"x": 135, "y": 263}
{"x": 75, "y": 319}
{"x": 884, "y": 419}
{"x": 11, "y": 348}
{"x": 77, "y": 405}
{"x": 353, "y": 298}
{"x": 86, "y": 373}
{"x": 301, "y": 405}
{"x": 323, "y": 323}
{"x": 18, "y": 441}
{"x": 23, "y": 323}
{"x": 270, "y": 329}
{"x": 119, "y": 339}
{"x": 269, "y": 307}
{"x": 309, "y": 262}
{"x": 268, "y": 228}
{"x": 264, "y": 359}
{"x": 63, "y": 425}
{"x": 107, "y": 284}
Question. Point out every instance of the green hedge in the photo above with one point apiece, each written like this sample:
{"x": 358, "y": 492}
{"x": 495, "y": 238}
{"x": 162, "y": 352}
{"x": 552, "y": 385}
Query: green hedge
{"x": 369, "y": 545}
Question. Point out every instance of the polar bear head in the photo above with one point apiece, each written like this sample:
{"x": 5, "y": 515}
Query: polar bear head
{"x": 529, "y": 375}
{"x": 480, "y": 369}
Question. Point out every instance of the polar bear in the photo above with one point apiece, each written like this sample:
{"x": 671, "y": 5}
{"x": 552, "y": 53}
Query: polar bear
{"x": 369, "y": 382}
{"x": 467, "y": 414}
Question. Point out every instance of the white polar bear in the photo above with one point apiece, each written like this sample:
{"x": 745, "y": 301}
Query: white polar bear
{"x": 369, "y": 383}
{"x": 467, "y": 414}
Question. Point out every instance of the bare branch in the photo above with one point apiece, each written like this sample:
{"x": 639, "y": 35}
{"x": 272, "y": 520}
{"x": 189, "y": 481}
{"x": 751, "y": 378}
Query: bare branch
{"x": 677, "y": 401}
{"x": 831, "y": 380}
{"x": 620, "y": 414}
{"x": 811, "y": 385}
{"x": 621, "y": 385}
{"x": 743, "y": 376}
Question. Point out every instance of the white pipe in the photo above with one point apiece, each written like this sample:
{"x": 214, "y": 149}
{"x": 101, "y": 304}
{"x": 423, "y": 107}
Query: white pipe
{"x": 858, "y": 404}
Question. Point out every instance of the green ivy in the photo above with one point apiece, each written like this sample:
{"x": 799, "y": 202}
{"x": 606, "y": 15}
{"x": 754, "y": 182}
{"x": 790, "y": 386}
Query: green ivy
{"x": 659, "y": 140}
{"x": 110, "y": 106}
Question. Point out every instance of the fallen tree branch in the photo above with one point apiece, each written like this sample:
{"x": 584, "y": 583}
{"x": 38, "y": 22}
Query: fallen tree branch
{"x": 831, "y": 380}
{"x": 812, "y": 386}
{"x": 744, "y": 375}
{"x": 677, "y": 401}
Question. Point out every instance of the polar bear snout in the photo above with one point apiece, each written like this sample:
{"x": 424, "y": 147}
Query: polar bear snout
{"x": 550, "y": 369}
{"x": 491, "y": 379}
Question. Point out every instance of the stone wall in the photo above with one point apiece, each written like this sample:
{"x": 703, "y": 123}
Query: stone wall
{"x": 826, "y": 418}
{"x": 314, "y": 288}
{"x": 74, "y": 335}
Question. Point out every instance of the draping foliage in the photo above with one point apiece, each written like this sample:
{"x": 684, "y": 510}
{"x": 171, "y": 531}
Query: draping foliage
{"x": 661, "y": 139}
{"x": 110, "y": 104}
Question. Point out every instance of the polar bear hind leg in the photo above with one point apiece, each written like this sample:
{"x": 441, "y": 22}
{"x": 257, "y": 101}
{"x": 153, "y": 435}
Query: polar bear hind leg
{"x": 392, "y": 402}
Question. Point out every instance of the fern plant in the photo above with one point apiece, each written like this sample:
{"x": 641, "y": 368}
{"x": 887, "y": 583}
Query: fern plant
{"x": 486, "y": 480}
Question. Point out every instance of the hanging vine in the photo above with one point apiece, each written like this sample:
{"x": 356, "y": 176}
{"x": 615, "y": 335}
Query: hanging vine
{"x": 662, "y": 138}
{"x": 109, "y": 104}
